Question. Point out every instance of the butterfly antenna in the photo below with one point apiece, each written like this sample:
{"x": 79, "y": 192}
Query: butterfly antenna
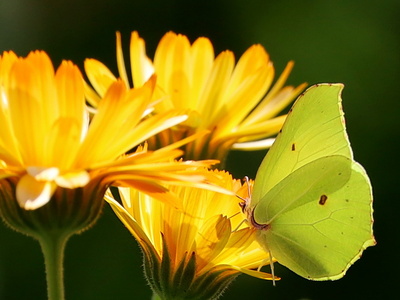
{"x": 246, "y": 178}
{"x": 244, "y": 204}
{"x": 245, "y": 200}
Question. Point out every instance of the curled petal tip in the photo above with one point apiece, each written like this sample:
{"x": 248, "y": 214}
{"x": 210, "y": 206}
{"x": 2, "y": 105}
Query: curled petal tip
{"x": 33, "y": 194}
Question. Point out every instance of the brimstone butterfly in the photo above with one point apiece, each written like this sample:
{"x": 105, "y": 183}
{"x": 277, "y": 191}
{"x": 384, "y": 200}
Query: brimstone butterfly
{"x": 311, "y": 202}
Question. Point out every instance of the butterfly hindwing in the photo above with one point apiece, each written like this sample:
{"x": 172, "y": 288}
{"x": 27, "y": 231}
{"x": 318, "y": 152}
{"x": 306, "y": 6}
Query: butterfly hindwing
{"x": 321, "y": 231}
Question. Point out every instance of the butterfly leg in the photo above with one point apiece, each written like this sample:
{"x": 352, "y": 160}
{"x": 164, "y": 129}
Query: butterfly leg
{"x": 270, "y": 261}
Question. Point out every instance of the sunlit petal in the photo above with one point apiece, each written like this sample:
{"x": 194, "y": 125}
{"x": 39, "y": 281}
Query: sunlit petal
{"x": 232, "y": 102}
{"x": 48, "y": 141}
{"x": 73, "y": 180}
{"x": 208, "y": 227}
{"x": 99, "y": 75}
{"x": 32, "y": 194}
{"x": 141, "y": 65}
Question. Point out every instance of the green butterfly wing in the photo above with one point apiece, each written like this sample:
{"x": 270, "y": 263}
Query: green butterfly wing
{"x": 311, "y": 202}
{"x": 314, "y": 128}
{"x": 319, "y": 218}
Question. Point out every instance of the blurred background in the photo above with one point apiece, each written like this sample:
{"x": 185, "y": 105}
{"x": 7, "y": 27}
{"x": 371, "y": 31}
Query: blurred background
{"x": 354, "y": 42}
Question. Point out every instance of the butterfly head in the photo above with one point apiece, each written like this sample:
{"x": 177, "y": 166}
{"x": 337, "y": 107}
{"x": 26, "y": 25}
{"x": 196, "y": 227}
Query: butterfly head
{"x": 245, "y": 201}
{"x": 248, "y": 210}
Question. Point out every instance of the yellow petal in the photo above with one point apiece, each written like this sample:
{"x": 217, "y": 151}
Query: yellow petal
{"x": 70, "y": 92}
{"x": 141, "y": 66}
{"x": 152, "y": 126}
{"x": 92, "y": 98}
{"x": 73, "y": 180}
{"x": 202, "y": 59}
{"x": 31, "y": 93}
{"x": 172, "y": 54}
{"x": 212, "y": 99}
{"x": 7, "y": 59}
{"x": 273, "y": 104}
{"x": 254, "y": 145}
{"x": 99, "y": 75}
{"x": 32, "y": 194}
{"x": 256, "y": 274}
{"x": 43, "y": 174}
{"x": 254, "y": 59}
{"x": 129, "y": 222}
{"x": 70, "y": 128}
{"x": 117, "y": 115}
{"x": 250, "y": 80}
{"x": 252, "y": 132}
{"x": 121, "y": 62}
{"x": 251, "y": 254}
{"x": 212, "y": 239}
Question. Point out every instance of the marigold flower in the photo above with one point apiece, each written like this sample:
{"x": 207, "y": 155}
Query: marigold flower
{"x": 236, "y": 105}
{"x": 56, "y": 163}
{"x": 47, "y": 141}
{"x": 195, "y": 252}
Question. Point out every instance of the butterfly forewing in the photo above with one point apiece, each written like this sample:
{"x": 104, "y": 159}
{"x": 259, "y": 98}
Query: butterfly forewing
{"x": 313, "y": 129}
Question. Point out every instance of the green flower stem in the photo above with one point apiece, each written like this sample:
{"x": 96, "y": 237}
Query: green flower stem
{"x": 69, "y": 211}
{"x": 53, "y": 250}
{"x": 155, "y": 297}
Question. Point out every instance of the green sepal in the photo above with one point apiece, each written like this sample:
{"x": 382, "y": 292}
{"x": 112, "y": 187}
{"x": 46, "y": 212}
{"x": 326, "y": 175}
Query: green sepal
{"x": 185, "y": 274}
{"x": 69, "y": 211}
{"x": 183, "y": 282}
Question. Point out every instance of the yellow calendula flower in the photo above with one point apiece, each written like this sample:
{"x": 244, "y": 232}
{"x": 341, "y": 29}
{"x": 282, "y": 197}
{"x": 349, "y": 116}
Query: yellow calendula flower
{"x": 47, "y": 141}
{"x": 56, "y": 163}
{"x": 193, "y": 253}
{"x": 237, "y": 106}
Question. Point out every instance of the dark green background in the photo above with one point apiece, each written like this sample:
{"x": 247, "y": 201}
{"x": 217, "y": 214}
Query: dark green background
{"x": 354, "y": 42}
